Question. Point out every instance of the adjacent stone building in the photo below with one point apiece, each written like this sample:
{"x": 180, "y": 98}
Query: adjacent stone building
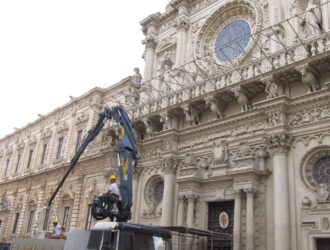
{"x": 232, "y": 115}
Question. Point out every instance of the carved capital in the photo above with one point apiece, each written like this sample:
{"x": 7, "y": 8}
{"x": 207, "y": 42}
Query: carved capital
{"x": 191, "y": 197}
{"x": 279, "y": 143}
{"x": 137, "y": 172}
{"x": 150, "y": 42}
{"x": 182, "y": 23}
{"x": 170, "y": 165}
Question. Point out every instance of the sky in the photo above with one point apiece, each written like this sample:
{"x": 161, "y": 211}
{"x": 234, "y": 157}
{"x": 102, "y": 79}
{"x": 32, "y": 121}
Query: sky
{"x": 53, "y": 49}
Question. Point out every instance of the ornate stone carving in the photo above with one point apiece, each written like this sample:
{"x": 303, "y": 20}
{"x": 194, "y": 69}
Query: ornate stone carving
{"x": 134, "y": 88}
{"x": 82, "y": 118}
{"x": 309, "y": 77}
{"x": 148, "y": 125}
{"x": 322, "y": 192}
{"x": 242, "y": 99}
{"x": 150, "y": 42}
{"x": 169, "y": 165}
{"x": 325, "y": 223}
{"x": 4, "y": 203}
{"x": 308, "y": 163}
{"x": 306, "y": 202}
{"x": 312, "y": 19}
{"x": 153, "y": 195}
{"x": 215, "y": 105}
{"x": 273, "y": 88}
{"x": 192, "y": 114}
{"x": 46, "y": 134}
{"x": 219, "y": 151}
{"x": 225, "y": 14}
{"x": 307, "y": 115}
{"x": 279, "y": 143}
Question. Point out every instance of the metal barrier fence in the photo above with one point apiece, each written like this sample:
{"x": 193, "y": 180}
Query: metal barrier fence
{"x": 5, "y": 246}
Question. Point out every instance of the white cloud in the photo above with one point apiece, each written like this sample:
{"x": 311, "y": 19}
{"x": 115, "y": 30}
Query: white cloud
{"x": 52, "y": 49}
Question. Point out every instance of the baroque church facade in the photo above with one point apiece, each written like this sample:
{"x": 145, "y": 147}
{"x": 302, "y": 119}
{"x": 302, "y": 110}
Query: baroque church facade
{"x": 232, "y": 114}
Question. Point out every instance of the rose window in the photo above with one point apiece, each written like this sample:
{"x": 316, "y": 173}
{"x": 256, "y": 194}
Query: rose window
{"x": 154, "y": 190}
{"x": 232, "y": 40}
{"x": 321, "y": 170}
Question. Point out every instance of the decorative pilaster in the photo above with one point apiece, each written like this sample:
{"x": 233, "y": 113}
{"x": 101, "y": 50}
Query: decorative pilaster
{"x": 191, "y": 207}
{"x": 279, "y": 145}
{"x": 136, "y": 177}
{"x": 76, "y": 204}
{"x": 169, "y": 166}
{"x": 182, "y": 25}
{"x": 237, "y": 221}
{"x": 150, "y": 46}
{"x": 249, "y": 219}
{"x": 180, "y": 218}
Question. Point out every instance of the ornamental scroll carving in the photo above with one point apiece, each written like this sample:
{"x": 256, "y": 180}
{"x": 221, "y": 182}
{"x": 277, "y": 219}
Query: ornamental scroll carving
{"x": 169, "y": 165}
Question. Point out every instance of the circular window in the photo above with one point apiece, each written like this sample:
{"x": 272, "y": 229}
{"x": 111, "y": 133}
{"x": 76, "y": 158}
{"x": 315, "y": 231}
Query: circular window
{"x": 154, "y": 190}
{"x": 232, "y": 40}
{"x": 321, "y": 170}
{"x": 315, "y": 167}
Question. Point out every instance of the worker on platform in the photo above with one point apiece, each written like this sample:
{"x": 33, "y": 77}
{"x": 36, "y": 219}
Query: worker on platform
{"x": 57, "y": 232}
{"x": 110, "y": 196}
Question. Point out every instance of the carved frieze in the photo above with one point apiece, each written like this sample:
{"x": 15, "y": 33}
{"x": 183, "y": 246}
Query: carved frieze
{"x": 309, "y": 115}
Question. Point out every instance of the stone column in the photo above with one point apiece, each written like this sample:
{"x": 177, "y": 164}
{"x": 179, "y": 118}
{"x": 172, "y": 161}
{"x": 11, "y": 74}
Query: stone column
{"x": 150, "y": 43}
{"x": 191, "y": 206}
{"x": 181, "y": 211}
{"x": 136, "y": 177}
{"x": 249, "y": 219}
{"x": 182, "y": 25}
{"x": 325, "y": 14}
{"x": 169, "y": 167}
{"x": 279, "y": 145}
{"x": 237, "y": 221}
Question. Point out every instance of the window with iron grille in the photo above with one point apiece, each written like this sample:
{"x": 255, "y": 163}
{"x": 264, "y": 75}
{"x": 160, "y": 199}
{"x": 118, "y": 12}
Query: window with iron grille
{"x": 89, "y": 217}
{"x": 44, "y": 151}
{"x": 7, "y": 166}
{"x": 79, "y": 137}
{"x": 30, "y": 159}
{"x": 29, "y": 226}
{"x": 65, "y": 216}
{"x": 16, "y": 222}
{"x": 59, "y": 148}
{"x": 18, "y": 163}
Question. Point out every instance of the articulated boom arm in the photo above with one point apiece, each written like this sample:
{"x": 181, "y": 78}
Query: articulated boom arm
{"x": 126, "y": 153}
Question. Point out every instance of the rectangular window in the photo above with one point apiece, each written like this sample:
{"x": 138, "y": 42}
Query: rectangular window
{"x": 65, "y": 216}
{"x": 30, "y": 159}
{"x": 89, "y": 217}
{"x": 29, "y": 226}
{"x": 18, "y": 163}
{"x": 79, "y": 136}
{"x": 44, "y": 151}
{"x": 59, "y": 148}
{"x": 16, "y": 222}
{"x": 7, "y": 167}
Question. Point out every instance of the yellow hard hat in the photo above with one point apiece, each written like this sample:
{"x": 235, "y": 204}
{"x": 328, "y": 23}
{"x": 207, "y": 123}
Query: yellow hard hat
{"x": 54, "y": 221}
{"x": 113, "y": 177}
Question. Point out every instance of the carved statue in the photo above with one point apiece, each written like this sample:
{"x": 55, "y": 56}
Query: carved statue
{"x": 271, "y": 89}
{"x": 166, "y": 80}
{"x": 148, "y": 125}
{"x": 312, "y": 21}
{"x": 135, "y": 86}
{"x": 215, "y": 106}
{"x": 193, "y": 115}
{"x": 242, "y": 100}
{"x": 322, "y": 192}
{"x": 309, "y": 79}
{"x": 4, "y": 204}
{"x": 219, "y": 151}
